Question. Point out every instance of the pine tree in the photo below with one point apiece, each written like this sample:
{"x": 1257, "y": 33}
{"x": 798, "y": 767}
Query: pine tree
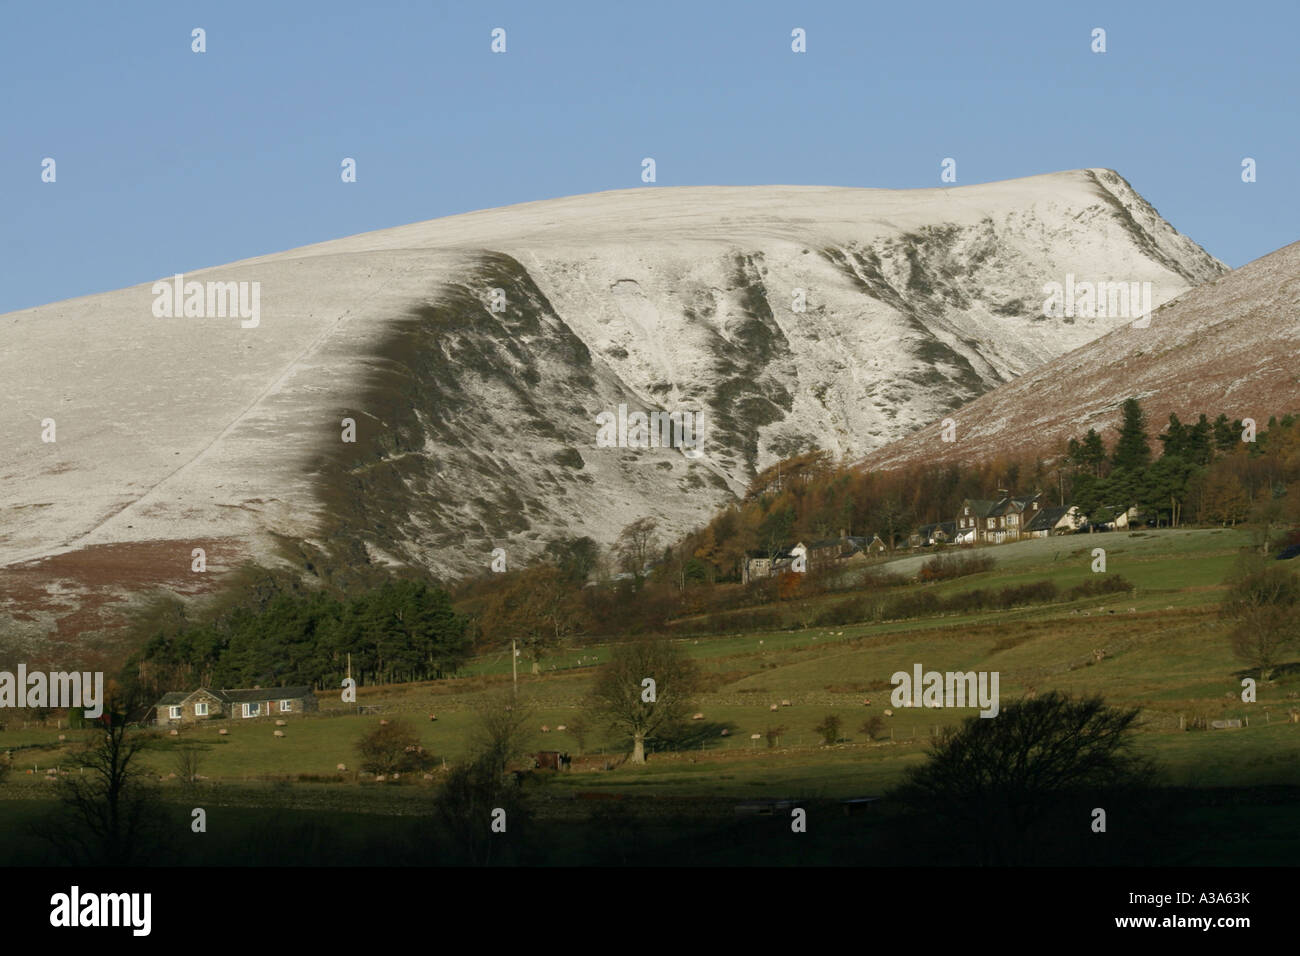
{"x": 1225, "y": 436}
{"x": 1132, "y": 451}
{"x": 1174, "y": 438}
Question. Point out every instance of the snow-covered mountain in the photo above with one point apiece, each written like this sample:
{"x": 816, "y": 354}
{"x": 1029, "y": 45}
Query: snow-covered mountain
{"x": 474, "y": 354}
{"x": 1227, "y": 347}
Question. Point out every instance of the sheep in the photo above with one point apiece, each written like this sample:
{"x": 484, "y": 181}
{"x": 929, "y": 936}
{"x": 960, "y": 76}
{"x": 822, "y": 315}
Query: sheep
{"x": 561, "y": 727}
{"x": 433, "y": 716}
{"x": 62, "y": 737}
{"x": 785, "y": 703}
{"x": 697, "y": 717}
{"x": 174, "y": 733}
{"x": 278, "y": 733}
{"x": 726, "y": 732}
{"x": 888, "y": 712}
{"x": 342, "y": 767}
{"x": 545, "y": 729}
{"x": 383, "y": 723}
{"x": 223, "y": 731}
{"x": 279, "y": 723}
{"x": 773, "y": 707}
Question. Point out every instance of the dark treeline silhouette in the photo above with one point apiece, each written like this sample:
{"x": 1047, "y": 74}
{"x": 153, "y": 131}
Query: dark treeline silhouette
{"x": 280, "y": 635}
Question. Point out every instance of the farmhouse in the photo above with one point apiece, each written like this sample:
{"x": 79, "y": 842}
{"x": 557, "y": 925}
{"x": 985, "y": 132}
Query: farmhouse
{"x": 820, "y": 555}
{"x": 994, "y": 521}
{"x": 931, "y": 534}
{"x": 187, "y": 707}
{"x": 1052, "y": 521}
{"x": 972, "y": 520}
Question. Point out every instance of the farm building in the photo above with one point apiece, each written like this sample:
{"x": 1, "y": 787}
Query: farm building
{"x": 186, "y": 707}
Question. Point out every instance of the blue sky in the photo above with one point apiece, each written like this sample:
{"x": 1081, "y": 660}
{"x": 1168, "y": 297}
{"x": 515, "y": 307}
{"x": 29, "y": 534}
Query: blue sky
{"x": 169, "y": 161}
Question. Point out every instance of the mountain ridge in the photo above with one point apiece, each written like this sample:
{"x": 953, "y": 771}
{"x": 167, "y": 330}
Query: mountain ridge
{"x": 475, "y": 427}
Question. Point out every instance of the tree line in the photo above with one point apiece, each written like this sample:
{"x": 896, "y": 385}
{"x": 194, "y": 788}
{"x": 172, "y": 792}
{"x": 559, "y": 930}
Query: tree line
{"x": 1205, "y": 473}
{"x": 1222, "y": 471}
{"x": 402, "y": 630}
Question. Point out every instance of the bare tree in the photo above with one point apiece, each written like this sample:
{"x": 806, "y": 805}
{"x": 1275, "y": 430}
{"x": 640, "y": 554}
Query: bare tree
{"x": 500, "y": 732}
{"x": 478, "y": 790}
{"x": 109, "y": 814}
{"x": 473, "y": 797}
{"x": 187, "y": 757}
{"x": 1262, "y": 604}
{"x": 622, "y": 694}
{"x": 637, "y": 544}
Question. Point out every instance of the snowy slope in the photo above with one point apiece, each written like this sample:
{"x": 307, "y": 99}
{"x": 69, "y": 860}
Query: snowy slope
{"x": 476, "y": 429}
{"x": 1226, "y": 347}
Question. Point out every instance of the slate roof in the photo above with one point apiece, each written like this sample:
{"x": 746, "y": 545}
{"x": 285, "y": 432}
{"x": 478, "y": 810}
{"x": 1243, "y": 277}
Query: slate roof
{"x": 1046, "y": 519}
{"x": 239, "y": 696}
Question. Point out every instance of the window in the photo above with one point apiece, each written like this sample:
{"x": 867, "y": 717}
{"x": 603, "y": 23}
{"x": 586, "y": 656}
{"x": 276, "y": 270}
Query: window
{"x": 201, "y": 709}
{"x": 286, "y": 706}
{"x": 252, "y": 710}
{"x": 175, "y": 712}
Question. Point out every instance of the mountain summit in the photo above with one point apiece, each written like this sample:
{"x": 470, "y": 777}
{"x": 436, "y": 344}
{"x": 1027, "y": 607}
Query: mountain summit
{"x": 474, "y": 354}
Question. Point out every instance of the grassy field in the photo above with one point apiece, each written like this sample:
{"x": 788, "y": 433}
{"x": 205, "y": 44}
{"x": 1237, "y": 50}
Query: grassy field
{"x": 1160, "y": 648}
